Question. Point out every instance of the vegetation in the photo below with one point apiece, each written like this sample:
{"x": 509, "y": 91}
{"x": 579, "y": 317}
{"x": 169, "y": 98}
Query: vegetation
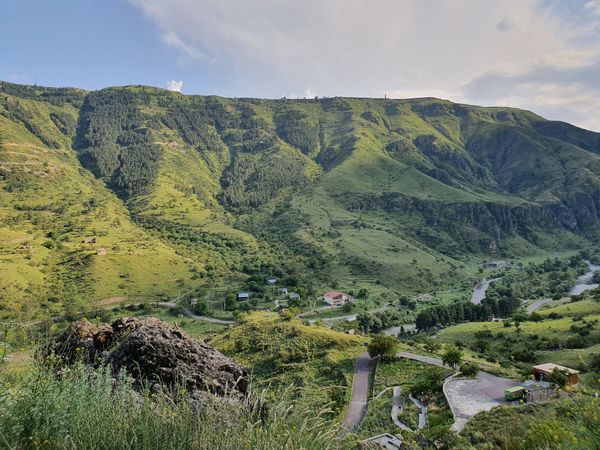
{"x": 565, "y": 334}
{"x": 391, "y": 196}
{"x": 316, "y": 361}
{"x": 572, "y": 423}
{"x": 83, "y": 409}
{"x": 383, "y": 347}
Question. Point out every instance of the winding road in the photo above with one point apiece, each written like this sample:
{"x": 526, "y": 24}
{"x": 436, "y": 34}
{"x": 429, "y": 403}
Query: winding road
{"x": 193, "y": 315}
{"x": 360, "y": 392}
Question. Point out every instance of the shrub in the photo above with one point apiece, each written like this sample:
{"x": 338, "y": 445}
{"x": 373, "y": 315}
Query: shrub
{"x": 469, "y": 369}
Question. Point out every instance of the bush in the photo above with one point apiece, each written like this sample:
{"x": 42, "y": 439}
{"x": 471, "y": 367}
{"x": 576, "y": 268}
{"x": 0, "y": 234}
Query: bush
{"x": 469, "y": 369}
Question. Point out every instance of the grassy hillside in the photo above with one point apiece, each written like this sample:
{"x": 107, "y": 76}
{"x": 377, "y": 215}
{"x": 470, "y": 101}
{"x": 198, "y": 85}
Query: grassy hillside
{"x": 207, "y": 195}
{"x": 316, "y": 364}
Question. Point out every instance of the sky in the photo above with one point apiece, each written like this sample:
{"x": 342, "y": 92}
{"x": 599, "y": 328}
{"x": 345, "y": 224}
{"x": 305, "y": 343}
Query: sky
{"x": 541, "y": 55}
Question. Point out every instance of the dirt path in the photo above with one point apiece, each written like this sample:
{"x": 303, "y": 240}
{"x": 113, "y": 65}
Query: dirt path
{"x": 397, "y": 408}
{"x": 421, "y": 358}
{"x": 360, "y": 392}
{"x": 193, "y": 315}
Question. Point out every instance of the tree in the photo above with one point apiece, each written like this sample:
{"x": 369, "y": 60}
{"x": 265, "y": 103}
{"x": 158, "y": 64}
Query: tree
{"x": 201, "y": 307}
{"x": 452, "y": 356}
{"x": 384, "y": 347}
{"x": 430, "y": 345}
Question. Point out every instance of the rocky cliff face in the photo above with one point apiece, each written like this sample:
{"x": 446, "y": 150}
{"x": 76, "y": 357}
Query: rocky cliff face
{"x": 153, "y": 352}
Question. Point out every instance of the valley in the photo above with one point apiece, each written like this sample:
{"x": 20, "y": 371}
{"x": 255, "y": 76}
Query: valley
{"x": 442, "y": 227}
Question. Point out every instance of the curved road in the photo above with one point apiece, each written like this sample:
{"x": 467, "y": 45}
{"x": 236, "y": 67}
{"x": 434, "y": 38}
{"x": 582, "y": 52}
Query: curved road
{"x": 193, "y": 315}
{"x": 360, "y": 392}
{"x": 537, "y": 305}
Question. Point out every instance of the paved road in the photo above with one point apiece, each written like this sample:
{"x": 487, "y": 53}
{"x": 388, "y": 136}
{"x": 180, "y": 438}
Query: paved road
{"x": 397, "y": 408}
{"x": 422, "y": 413}
{"x": 467, "y": 397}
{"x": 537, "y": 305}
{"x": 193, "y": 315}
{"x": 421, "y": 358}
{"x": 360, "y": 392}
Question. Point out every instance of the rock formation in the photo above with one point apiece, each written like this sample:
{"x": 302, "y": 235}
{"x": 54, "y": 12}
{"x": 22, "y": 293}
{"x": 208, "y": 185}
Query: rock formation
{"x": 153, "y": 352}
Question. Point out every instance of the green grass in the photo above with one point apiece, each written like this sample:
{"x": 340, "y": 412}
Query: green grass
{"x": 317, "y": 361}
{"x": 83, "y": 409}
{"x": 572, "y": 423}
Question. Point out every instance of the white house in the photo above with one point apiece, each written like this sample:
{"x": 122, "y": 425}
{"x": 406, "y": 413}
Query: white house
{"x": 294, "y": 296}
{"x": 243, "y": 296}
{"x": 282, "y": 290}
{"x": 335, "y": 298}
{"x": 271, "y": 281}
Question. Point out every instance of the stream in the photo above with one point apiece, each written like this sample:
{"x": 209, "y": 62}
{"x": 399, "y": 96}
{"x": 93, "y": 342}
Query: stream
{"x": 584, "y": 282}
{"x": 479, "y": 290}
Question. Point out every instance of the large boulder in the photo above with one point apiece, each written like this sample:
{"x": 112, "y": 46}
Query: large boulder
{"x": 153, "y": 352}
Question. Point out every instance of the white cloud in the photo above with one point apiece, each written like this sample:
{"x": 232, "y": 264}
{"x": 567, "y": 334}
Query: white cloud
{"x": 174, "y": 85}
{"x": 369, "y": 47}
{"x": 593, "y": 6}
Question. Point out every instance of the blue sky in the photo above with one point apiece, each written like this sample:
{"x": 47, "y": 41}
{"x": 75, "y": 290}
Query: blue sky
{"x": 542, "y": 55}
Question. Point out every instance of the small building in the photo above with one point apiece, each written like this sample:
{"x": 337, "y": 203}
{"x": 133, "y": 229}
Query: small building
{"x": 351, "y": 331}
{"x": 101, "y": 251}
{"x": 243, "y": 296}
{"x": 193, "y": 303}
{"x": 543, "y": 372}
{"x": 335, "y": 298}
{"x": 271, "y": 281}
{"x": 91, "y": 240}
{"x": 386, "y": 441}
{"x": 282, "y": 291}
{"x": 294, "y": 296}
{"x": 495, "y": 265}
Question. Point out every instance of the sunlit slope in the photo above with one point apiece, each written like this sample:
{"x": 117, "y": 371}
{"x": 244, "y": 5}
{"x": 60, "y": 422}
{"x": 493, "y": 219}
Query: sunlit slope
{"x": 49, "y": 205}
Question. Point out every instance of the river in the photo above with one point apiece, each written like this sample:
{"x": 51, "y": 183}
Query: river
{"x": 479, "y": 291}
{"x": 584, "y": 282}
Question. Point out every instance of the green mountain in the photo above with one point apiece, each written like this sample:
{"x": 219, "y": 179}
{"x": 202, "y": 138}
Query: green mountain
{"x": 189, "y": 193}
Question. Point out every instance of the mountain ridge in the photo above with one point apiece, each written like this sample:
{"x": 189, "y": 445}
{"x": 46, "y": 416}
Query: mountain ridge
{"x": 335, "y": 190}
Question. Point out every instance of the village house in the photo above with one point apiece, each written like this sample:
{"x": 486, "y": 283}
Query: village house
{"x": 495, "y": 265}
{"x": 193, "y": 303}
{"x": 282, "y": 291}
{"x": 335, "y": 298}
{"x": 543, "y": 372}
{"x": 271, "y": 281}
{"x": 243, "y": 296}
{"x": 101, "y": 251}
{"x": 294, "y": 296}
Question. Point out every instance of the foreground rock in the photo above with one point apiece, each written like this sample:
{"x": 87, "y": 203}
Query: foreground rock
{"x": 154, "y": 352}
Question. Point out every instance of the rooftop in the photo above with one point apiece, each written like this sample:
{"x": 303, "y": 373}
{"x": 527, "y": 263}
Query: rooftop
{"x": 334, "y": 294}
{"x": 549, "y": 367}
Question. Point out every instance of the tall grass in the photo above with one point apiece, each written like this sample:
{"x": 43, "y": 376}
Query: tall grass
{"x": 83, "y": 409}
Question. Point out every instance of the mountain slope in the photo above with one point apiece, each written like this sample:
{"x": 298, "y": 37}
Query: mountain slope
{"x": 190, "y": 191}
